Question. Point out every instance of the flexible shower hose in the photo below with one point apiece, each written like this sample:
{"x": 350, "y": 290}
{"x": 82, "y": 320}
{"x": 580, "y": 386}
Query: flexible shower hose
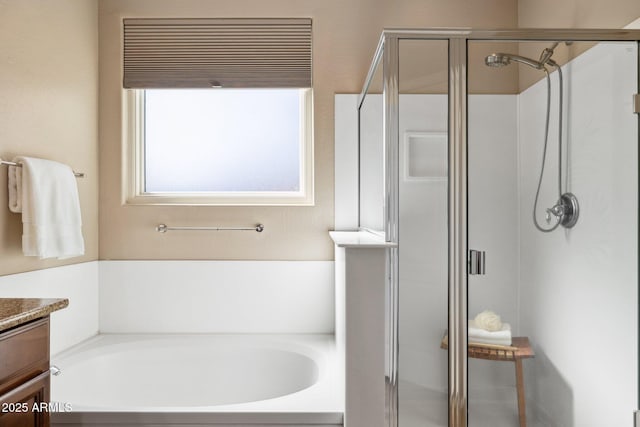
{"x": 544, "y": 152}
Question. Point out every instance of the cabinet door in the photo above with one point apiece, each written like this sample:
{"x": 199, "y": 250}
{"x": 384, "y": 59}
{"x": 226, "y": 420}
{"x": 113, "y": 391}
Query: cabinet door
{"x": 25, "y": 405}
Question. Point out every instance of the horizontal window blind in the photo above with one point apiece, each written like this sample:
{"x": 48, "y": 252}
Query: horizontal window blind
{"x": 234, "y": 53}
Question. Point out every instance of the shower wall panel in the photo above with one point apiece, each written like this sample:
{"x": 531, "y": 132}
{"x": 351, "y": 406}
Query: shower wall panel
{"x": 578, "y": 287}
{"x": 422, "y": 249}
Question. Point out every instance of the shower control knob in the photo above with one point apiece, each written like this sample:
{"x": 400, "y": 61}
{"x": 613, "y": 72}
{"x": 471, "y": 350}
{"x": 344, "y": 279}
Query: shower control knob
{"x": 557, "y": 211}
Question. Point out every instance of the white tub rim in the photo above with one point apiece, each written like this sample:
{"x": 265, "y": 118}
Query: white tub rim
{"x": 322, "y": 402}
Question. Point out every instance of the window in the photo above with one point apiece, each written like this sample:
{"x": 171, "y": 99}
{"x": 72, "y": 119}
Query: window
{"x": 218, "y": 111}
{"x": 220, "y": 147}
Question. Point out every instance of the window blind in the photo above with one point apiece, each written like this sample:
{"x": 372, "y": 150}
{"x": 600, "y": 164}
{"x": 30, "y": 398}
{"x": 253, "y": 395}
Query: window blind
{"x": 233, "y": 53}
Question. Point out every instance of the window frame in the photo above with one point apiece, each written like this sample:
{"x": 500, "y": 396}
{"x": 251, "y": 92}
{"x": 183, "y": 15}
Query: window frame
{"x": 134, "y": 163}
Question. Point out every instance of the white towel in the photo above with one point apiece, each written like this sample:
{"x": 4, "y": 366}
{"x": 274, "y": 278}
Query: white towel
{"x": 482, "y": 336}
{"x": 46, "y": 194}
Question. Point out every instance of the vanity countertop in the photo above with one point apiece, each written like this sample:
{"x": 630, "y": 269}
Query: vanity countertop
{"x": 16, "y": 311}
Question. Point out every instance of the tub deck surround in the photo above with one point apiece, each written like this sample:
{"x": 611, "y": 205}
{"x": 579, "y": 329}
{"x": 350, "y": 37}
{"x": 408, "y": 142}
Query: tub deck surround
{"x": 17, "y": 311}
{"x": 360, "y": 289}
{"x": 360, "y": 239}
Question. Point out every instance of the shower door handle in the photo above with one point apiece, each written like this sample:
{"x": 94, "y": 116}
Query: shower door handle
{"x": 476, "y": 262}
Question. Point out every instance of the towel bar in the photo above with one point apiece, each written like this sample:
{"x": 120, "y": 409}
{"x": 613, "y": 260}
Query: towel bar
{"x": 163, "y": 228}
{"x": 8, "y": 163}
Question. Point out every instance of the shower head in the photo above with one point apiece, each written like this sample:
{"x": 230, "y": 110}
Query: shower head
{"x": 503, "y": 59}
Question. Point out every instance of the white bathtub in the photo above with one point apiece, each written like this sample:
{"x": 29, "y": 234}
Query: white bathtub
{"x": 203, "y": 380}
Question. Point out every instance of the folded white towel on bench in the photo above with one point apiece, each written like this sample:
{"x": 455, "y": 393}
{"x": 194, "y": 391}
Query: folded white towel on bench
{"x": 482, "y": 336}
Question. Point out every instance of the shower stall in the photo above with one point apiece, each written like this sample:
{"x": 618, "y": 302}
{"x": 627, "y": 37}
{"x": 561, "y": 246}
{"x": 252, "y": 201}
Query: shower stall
{"x": 504, "y": 164}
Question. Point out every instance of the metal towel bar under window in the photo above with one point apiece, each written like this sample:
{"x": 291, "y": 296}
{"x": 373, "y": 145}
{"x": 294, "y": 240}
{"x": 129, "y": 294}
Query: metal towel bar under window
{"x": 163, "y": 228}
{"x": 5, "y": 162}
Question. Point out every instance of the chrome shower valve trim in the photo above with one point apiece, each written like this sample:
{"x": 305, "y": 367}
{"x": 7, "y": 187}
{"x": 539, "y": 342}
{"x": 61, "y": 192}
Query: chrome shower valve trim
{"x": 566, "y": 210}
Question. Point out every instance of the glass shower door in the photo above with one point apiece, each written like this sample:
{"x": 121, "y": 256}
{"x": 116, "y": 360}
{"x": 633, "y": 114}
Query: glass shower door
{"x": 422, "y": 232}
{"x": 553, "y": 203}
{"x": 403, "y": 195}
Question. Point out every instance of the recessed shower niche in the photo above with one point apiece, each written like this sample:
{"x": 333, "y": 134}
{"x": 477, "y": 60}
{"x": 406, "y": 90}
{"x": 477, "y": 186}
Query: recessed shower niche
{"x": 425, "y": 156}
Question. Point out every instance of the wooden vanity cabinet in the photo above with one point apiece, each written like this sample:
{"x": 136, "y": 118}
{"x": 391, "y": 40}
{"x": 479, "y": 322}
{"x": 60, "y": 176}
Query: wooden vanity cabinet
{"x": 24, "y": 375}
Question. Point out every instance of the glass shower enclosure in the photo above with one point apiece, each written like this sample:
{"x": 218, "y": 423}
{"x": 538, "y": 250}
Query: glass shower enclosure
{"x": 504, "y": 164}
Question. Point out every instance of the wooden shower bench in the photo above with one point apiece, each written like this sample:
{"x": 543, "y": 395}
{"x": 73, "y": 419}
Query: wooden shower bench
{"x": 518, "y": 350}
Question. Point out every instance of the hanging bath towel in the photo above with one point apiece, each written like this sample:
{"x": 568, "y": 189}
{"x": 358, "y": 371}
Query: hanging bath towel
{"x": 46, "y": 194}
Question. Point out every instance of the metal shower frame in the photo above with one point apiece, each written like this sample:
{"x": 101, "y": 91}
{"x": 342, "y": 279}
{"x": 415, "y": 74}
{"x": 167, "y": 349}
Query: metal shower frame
{"x": 387, "y": 52}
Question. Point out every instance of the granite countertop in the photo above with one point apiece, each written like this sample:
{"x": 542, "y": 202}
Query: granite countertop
{"x": 16, "y": 311}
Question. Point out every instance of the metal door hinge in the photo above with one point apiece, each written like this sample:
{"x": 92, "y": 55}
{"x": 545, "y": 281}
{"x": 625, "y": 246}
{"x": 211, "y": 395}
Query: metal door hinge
{"x": 476, "y": 262}
{"x": 636, "y": 419}
{"x": 636, "y": 103}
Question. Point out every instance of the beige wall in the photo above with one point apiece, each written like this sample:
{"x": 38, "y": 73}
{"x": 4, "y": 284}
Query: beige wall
{"x": 569, "y": 14}
{"x": 345, "y": 37}
{"x": 577, "y": 13}
{"x": 48, "y": 107}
